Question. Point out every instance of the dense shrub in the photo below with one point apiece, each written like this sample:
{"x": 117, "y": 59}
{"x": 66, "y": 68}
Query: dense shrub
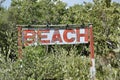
{"x": 39, "y": 65}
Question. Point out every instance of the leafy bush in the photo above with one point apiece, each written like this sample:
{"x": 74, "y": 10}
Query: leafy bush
{"x": 61, "y": 63}
{"x": 58, "y": 65}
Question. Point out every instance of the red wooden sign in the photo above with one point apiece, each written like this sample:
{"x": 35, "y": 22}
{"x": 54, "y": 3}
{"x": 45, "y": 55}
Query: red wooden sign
{"x": 39, "y": 36}
{"x": 51, "y": 36}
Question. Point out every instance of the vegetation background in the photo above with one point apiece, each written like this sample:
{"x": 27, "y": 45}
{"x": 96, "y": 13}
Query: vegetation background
{"x": 60, "y": 63}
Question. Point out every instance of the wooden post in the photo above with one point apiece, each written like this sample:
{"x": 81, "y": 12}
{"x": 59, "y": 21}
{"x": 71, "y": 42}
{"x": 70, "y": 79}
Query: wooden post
{"x": 20, "y": 42}
{"x": 92, "y": 67}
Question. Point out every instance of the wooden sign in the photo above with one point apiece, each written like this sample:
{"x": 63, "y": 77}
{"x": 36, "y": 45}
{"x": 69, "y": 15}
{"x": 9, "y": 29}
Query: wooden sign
{"x": 43, "y": 36}
{"x": 51, "y": 36}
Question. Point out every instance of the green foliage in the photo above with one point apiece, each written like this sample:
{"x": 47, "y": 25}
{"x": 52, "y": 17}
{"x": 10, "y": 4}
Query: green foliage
{"x": 39, "y": 65}
{"x": 39, "y": 12}
{"x": 66, "y": 62}
{"x": 8, "y": 35}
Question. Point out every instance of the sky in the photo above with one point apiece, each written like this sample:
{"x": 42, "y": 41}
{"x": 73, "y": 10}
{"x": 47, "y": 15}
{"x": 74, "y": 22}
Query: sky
{"x": 7, "y": 3}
